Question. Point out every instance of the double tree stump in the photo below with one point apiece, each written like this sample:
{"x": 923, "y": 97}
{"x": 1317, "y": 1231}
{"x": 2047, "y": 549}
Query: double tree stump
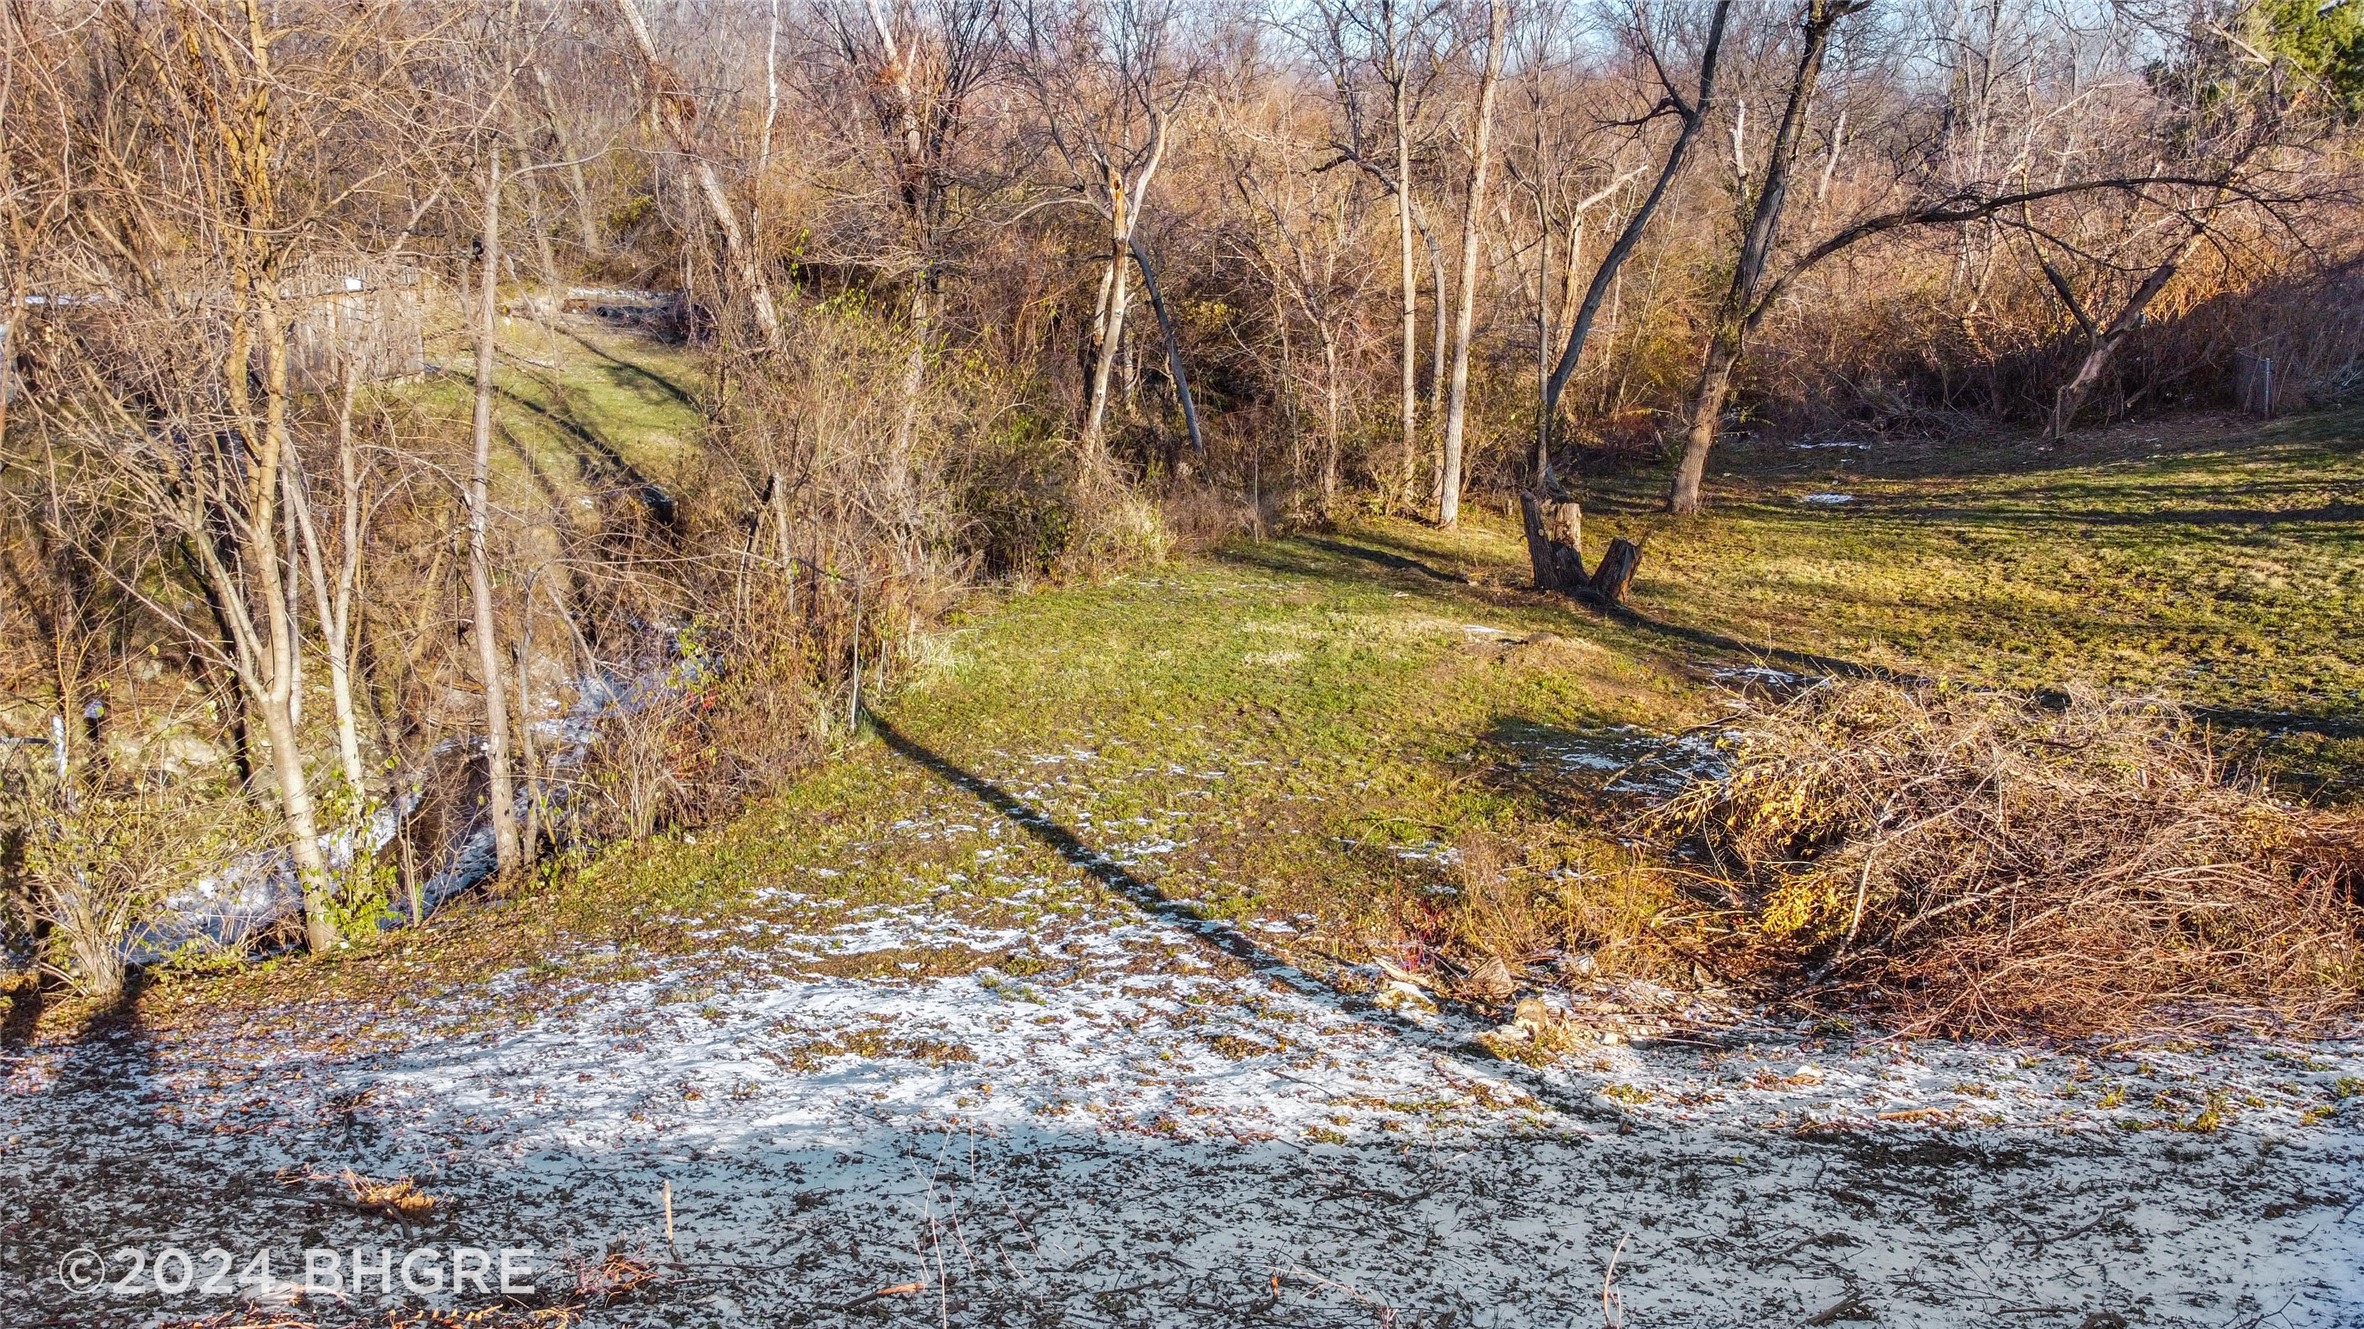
{"x": 1555, "y": 539}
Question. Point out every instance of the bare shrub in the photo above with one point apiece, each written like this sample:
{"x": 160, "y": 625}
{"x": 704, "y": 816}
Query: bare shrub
{"x": 1113, "y": 529}
{"x": 631, "y": 784}
{"x": 1980, "y": 862}
{"x": 1198, "y": 518}
{"x": 101, "y": 863}
{"x": 694, "y": 744}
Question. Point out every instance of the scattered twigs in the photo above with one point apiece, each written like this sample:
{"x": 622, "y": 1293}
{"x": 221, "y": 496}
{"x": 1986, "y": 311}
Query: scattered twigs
{"x": 399, "y": 1199}
{"x": 1612, "y": 1304}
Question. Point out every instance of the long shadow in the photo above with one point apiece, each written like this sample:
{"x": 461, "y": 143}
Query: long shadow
{"x": 24, "y": 1015}
{"x": 1639, "y": 489}
{"x": 668, "y": 387}
{"x": 100, "y": 1070}
{"x": 1394, "y": 562}
{"x": 2281, "y": 722}
{"x": 1804, "y": 662}
{"x": 2329, "y": 514}
{"x": 1231, "y": 941}
{"x": 600, "y": 460}
{"x": 1310, "y": 556}
{"x": 1067, "y": 845}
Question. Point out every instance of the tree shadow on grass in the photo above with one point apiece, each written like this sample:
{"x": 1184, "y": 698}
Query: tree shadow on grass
{"x": 626, "y": 373}
{"x": 1745, "y": 654}
{"x": 1374, "y": 560}
{"x": 1067, "y": 845}
{"x": 1222, "y": 936}
{"x": 602, "y": 466}
{"x": 1385, "y": 554}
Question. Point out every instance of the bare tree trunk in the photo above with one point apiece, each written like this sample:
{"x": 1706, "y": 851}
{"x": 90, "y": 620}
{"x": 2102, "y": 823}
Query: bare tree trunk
{"x": 1555, "y": 541}
{"x": 245, "y": 568}
{"x": 274, "y": 698}
{"x": 1116, "y": 289}
{"x": 782, "y": 535}
{"x": 1409, "y": 408}
{"x": 1741, "y": 301}
{"x": 1330, "y": 405}
{"x": 1694, "y": 117}
{"x": 1707, "y": 408}
{"x": 334, "y": 601}
{"x": 2106, "y": 340}
{"x": 586, "y": 219}
{"x": 671, "y": 113}
{"x": 536, "y": 807}
{"x": 1174, "y": 365}
{"x": 1448, "y": 507}
{"x": 502, "y": 796}
{"x": 897, "y": 73}
{"x": 1437, "y": 316}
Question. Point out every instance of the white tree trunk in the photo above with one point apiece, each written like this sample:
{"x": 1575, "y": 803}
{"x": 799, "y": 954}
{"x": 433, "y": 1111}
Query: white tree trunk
{"x": 1448, "y": 507}
{"x": 501, "y": 795}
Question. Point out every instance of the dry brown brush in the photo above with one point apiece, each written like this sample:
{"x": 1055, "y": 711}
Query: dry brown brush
{"x": 1977, "y": 862}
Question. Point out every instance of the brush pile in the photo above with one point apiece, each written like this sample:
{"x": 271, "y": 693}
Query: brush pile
{"x": 1979, "y": 863}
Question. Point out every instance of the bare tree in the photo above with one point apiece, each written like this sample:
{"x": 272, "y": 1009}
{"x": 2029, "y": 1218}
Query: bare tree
{"x": 1307, "y": 226}
{"x": 1110, "y": 85}
{"x": 1481, "y": 159}
{"x": 920, "y": 71}
{"x": 676, "y": 111}
{"x": 1728, "y": 330}
{"x": 1691, "y": 115}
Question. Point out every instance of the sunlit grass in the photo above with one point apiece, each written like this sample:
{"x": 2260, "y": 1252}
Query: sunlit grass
{"x": 1308, "y": 720}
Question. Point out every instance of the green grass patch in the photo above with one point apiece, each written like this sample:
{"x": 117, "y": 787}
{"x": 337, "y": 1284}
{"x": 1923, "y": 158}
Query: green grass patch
{"x": 1290, "y": 731}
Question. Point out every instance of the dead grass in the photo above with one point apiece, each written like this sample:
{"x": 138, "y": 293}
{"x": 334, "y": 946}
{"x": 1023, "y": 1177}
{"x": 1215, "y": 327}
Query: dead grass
{"x": 615, "y": 1276}
{"x": 399, "y": 1199}
{"x": 1981, "y": 862}
{"x": 1543, "y": 904}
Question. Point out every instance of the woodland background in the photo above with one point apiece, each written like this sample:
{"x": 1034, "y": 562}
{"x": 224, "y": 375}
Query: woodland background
{"x": 972, "y": 293}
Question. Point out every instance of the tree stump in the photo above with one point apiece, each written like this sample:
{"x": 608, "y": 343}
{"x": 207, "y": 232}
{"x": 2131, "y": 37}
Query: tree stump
{"x": 1555, "y": 533}
{"x": 1614, "y": 577}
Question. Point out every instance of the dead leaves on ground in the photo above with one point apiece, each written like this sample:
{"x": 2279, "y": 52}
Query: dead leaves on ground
{"x": 399, "y": 1199}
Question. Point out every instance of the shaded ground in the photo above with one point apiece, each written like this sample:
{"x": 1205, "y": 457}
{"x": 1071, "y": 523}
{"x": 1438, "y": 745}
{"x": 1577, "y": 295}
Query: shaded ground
{"x": 2214, "y": 559}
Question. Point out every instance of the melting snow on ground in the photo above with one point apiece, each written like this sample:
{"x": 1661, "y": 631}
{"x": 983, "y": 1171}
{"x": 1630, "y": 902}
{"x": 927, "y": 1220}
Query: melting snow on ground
{"x": 1116, "y": 1114}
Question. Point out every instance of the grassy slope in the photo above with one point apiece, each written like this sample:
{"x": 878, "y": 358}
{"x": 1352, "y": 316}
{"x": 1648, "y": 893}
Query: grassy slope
{"x": 576, "y": 411}
{"x": 1335, "y": 685}
{"x": 1310, "y": 717}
